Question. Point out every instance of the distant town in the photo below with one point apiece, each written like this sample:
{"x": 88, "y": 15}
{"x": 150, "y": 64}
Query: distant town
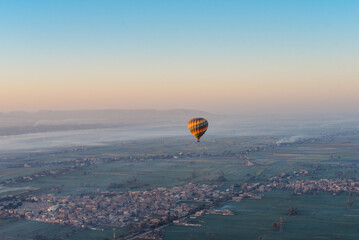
{"x": 142, "y": 210}
{"x": 145, "y": 211}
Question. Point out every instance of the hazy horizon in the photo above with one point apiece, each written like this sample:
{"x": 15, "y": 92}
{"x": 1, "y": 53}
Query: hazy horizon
{"x": 98, "y": 140}
{"x": 41, "y": 131}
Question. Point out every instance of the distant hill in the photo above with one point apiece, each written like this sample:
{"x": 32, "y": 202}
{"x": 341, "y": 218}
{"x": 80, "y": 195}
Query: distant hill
{"x": 27, "y": 122}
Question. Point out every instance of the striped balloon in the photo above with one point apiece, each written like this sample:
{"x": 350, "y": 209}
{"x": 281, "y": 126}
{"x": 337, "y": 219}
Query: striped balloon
{"x": 198, "y": 126}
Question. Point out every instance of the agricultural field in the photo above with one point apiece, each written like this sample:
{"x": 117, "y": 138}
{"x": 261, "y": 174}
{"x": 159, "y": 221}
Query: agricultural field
{"x": 319, "y": 217}
{"x": 202, "y": 163}
{"x": 138, "y": 165}
{"x": 24, "y": 229}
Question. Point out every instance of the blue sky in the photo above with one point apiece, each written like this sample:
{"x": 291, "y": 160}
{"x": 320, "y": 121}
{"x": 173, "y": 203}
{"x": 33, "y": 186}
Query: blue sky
{"x": 236, "y": 44}
{"x": 185, "y": 24}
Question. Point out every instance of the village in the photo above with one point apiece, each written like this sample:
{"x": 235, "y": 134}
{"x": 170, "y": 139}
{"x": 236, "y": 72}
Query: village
{"x": 133, "y": 209}
{"x": 155, "y": 207}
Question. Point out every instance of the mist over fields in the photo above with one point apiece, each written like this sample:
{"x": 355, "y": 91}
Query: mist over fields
{"x": 54, "y": 129}
{"x": 43, "y": 121}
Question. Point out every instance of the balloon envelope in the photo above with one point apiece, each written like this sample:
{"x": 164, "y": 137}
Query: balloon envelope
{"x": 198, "y": 126}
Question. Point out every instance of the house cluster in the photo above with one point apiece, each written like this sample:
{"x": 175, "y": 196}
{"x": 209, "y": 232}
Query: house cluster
{"x": 326, "y": 185}
{"x": 143, "y": 208}
{"x": 300, "y": 185}
{"x": 155, "y": 207}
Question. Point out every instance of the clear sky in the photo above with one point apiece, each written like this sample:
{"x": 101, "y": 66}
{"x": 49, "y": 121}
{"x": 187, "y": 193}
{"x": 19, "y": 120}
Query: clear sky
{"x": 219, "y": 56}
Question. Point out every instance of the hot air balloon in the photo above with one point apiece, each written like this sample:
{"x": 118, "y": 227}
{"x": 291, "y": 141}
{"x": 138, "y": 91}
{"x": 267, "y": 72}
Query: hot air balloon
{"x": 198, "y": 126}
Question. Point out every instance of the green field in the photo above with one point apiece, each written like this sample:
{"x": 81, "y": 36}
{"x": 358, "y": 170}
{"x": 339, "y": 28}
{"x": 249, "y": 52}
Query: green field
{"x": 205, "y": 164}
{"x": 23, "y": 229}
{"x": 320, "y": 217}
